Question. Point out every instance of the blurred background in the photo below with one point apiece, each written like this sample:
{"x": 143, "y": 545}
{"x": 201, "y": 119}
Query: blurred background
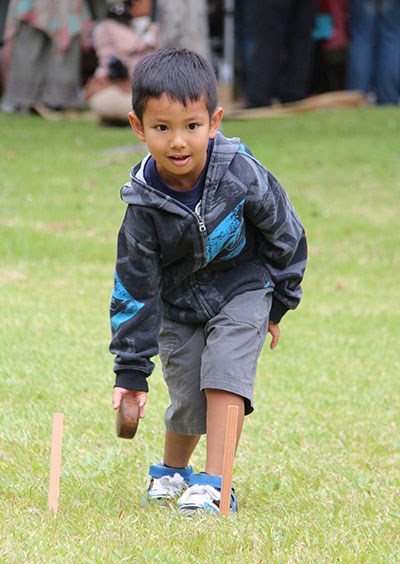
{"x": 78, "y": 54}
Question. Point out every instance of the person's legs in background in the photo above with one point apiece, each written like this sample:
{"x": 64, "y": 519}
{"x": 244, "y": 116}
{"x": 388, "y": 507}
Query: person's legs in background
{"x": 361, "y": 47}
{"x": 244, "y": 40}
{"x": 26, "y": 73}
{"x": 269, "y": 24}
{"x": 388, "y": 53}
{"x": 62, "y": 83}
{"x": 282, "y": 53}
{"x": 295, "y": 76}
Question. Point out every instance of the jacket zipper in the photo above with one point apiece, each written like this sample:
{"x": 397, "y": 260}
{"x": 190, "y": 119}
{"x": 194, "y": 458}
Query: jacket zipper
{"x": 202, "y": 225}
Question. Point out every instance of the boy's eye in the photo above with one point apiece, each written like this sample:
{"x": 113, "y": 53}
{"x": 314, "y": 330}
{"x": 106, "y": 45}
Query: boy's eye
{"x": 193, "y": 126}
{"x": 161, "y": 127}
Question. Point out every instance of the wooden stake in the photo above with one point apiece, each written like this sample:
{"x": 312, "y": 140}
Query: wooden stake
{"x": 55, "y": 461}
{"x": 229, "y": 456}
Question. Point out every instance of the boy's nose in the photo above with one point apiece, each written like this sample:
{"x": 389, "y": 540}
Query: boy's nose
{"x": 177, "y": 141}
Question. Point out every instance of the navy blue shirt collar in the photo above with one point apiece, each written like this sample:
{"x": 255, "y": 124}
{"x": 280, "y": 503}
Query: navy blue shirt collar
{"x": 188, "y": 197}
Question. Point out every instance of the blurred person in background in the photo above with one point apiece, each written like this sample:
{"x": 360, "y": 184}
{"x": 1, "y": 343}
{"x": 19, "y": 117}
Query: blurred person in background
{"x": 244, "y": 39}
{"x": 282, "y": 51}
{"x": 330, "y": 35}
{"x": 3, "y": 15}
{"x": 120, "y": 40}
{"x": 42, "y": 54}
{"x": 374, "y": 50}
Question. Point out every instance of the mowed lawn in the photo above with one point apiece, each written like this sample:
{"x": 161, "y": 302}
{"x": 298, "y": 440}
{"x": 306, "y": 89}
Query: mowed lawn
{"x": 318, "y": 470}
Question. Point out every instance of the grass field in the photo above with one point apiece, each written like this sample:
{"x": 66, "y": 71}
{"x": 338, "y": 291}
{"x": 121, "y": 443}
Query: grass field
{"x": 318, "y": 469}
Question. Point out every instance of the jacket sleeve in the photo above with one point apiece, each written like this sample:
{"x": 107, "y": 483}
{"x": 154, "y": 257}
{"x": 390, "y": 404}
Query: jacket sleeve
{"x": 281, "y": 240}
{"x": 136, "y": 311}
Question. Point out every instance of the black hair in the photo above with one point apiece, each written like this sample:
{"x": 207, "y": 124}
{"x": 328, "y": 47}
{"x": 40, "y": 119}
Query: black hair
{"x": 181, "y": 74}
{"x": 121, "y": 12}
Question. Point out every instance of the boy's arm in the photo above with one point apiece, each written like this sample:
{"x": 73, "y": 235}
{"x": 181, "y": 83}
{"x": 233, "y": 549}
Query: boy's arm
{"x": 135, "y": 312}
{"x": 282, "y": 245}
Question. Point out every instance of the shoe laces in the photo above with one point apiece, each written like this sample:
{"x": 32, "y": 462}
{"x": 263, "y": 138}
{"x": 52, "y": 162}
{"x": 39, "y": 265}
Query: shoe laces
{"x": 200, "y": 495}
{"x": 167, "y": 485}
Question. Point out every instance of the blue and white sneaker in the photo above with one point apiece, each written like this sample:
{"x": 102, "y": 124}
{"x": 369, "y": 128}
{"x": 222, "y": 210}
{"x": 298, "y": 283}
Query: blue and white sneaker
{"x": 166, "y": 483}
{"x": 204, "y": 493}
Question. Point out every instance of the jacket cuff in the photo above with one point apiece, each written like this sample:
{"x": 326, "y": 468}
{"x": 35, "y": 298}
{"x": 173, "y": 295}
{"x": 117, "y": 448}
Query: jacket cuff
{"x": 278, "y": 310}
{"x": 131, "y": 380}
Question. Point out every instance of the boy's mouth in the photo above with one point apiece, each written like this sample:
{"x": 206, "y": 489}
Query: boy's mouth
{"x": 179, "y": 160}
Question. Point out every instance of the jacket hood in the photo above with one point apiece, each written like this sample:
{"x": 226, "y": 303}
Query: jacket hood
{"x": 222, "y": 155}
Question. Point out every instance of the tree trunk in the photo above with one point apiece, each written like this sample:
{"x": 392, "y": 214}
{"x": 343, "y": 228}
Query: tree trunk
{"x": 184, "y": 24}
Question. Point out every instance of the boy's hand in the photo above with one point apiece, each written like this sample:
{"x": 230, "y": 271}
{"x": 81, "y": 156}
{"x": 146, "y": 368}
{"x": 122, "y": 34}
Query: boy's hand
{"x": 275, "y": 331}
{"x": 140, "y": 398}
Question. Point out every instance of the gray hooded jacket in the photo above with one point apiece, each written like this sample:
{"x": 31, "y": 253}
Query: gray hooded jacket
{"x": 244, "y": 235}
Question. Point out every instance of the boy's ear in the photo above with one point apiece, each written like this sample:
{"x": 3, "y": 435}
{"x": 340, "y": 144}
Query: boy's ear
{"x": 215, "y": 122}
{"x": 137, "y": 127}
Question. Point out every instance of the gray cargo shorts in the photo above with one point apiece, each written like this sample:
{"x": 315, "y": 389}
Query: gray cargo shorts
{"x": 221, "y": 354}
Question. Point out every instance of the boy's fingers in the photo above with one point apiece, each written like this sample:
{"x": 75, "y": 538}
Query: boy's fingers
{"x": 141, "y": 400}
{"x": 116, "y": 401}
{"x": 274, "y": 342}
{"x": 274, "y": 330}
{"x": 116, "y": 397}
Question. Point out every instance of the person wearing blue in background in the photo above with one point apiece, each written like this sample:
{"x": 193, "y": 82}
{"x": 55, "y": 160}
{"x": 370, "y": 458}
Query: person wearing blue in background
{"x": 211, "y": 255}
{"x": 374, "y": 49}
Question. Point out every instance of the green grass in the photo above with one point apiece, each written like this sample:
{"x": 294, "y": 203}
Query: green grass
{"x": 317, "y": 471}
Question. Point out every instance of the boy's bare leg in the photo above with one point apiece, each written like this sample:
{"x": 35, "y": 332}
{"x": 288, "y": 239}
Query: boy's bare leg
{"x": 179, "y": 448}
{"x": 217, "y": 414}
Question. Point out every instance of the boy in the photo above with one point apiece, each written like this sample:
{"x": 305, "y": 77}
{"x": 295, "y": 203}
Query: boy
{"x": 211, "y": 254}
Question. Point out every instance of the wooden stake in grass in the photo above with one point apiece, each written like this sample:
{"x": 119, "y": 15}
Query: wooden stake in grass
{"x": 229, "y": 456}
{"x": 55, "y": 461}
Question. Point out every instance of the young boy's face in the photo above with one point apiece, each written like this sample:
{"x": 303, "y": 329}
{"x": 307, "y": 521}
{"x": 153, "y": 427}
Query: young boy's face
{"x": 177, "y": 138}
